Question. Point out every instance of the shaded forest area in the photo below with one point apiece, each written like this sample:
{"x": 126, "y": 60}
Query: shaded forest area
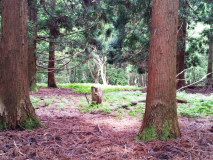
{"x": 125, "y": 79}
{"x": 100, "y": 135}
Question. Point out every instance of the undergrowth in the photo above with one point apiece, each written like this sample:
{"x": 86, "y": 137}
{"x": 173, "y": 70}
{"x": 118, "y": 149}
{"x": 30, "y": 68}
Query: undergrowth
{"x": 198, "y": 105}
{"x": 112, "y": 101}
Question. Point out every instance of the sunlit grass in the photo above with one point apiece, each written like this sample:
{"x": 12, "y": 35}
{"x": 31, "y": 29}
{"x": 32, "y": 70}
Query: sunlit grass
{"x": 86, "y": 87}
{"x": 198, "y": 105}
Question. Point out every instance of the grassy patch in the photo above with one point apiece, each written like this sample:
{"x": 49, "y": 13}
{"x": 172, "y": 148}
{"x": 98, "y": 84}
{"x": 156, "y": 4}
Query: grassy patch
{"x": 86, "y": 87}
{"x": 112, "y": 100}
{"x": 195, "y": 107}
{"x": 41, "y": 84}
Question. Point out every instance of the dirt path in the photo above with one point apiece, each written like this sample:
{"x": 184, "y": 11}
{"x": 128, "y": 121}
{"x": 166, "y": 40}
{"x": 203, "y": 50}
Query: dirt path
{"x": 73, "y": 135}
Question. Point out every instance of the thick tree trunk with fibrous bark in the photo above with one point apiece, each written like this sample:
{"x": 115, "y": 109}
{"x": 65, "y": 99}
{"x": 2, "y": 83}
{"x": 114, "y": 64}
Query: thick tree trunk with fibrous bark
{"x": 16, "y": 110}
{"x": 160, "y": 119}
{"x": 32, "y": 13}
{"x": 181, "y": 43}
{"x": 51, "y": 65}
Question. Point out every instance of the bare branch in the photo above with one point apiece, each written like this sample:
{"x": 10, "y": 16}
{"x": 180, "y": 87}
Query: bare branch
{"x": 64, "y": 69}
{"x": 194, "y": 82}
{"x": 183, "y": 71}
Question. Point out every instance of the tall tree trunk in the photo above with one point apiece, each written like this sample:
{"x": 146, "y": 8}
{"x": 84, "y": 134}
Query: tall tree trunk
{"x": 16, "y": 110}
{"x": 51, "y": 65}
{"x": 209, "y": 80}
{"x": 181, "y": 38}
{"x": 160, "y": 119}
{"x": 32, "y": 12}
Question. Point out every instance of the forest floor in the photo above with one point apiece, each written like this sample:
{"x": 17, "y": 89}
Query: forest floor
{"x": 72, "y": 135}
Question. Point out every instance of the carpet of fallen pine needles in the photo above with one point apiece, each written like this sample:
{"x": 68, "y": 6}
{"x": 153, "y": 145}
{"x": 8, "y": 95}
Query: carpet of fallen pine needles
{"x": 71, "y": 135}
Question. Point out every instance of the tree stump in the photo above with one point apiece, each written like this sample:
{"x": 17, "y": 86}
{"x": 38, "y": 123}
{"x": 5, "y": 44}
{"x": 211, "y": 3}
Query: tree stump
{"x": 97, "y": 95}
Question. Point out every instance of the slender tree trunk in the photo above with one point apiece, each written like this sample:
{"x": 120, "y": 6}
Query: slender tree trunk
{"x": 51, "y": 65}
{"x": 95, "y": 73}
{"x": 103, "y": 74}
{"x": 16, "y": 110}
{"x": 160, "y": 119}
{"x": 181, "y": 38}
{"x": 32, "y": 12}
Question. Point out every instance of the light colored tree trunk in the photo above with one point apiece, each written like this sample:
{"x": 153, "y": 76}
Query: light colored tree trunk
{"x": 94, "y": 71}
{"x": 103, "y": 74}
{"x": 160, "y": 119}
{"x": 16, "y": 110}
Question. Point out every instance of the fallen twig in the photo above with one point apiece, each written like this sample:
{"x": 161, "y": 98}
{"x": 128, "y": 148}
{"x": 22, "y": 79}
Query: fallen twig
{"x": 87, "y": 98}
{"x": 99, "y": 128}
{"x": 18, "y": 149}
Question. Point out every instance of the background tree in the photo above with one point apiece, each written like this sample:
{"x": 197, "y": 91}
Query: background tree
{"x": 181, "y": 43}
{"x": 32, "y": 15}
{"x": 160, "y": 119}
{"x": 16, "y": 110}
{"x": 209, "y": 81}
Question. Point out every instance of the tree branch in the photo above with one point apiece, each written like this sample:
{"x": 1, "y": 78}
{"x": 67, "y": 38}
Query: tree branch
{"x": 194, "y": 82}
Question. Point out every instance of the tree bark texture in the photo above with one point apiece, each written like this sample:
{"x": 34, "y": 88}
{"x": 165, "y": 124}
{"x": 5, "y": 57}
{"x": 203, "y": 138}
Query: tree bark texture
{"x": 160, "y": 119}
{"x": 51, "y": 64}
{"x": 32, "y": 13}
{"x": 181, "y": 43}
{"x": 16, "y": 110}
{"x": 209, "y": 80}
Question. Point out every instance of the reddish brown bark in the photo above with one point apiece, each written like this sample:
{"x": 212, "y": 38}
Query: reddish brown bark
{"x": 181, "y": 43}
{"x": 160, "y": 119}
{"x": 51, "y": 64}
{"x": 32, "y": 13}
{"x": 209, "y": 80}
{"x": 16, "y": 110}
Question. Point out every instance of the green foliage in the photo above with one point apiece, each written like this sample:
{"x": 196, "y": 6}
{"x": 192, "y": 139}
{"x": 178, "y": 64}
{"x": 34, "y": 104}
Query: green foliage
{"x": 36, "y": 101}
{"x": 123, "y": 96}
{"x": 3, "y": 125}
{"x": 86, "y": 87}
{"x": 93, "y": 108}
{"x": 196, "y": 108}
{"x": 31, "y": 123}
{"x": 117, "y": 76}
{"x": 148, "y": 134}
{"x": 112, "y": 99}
{"x": 137, "y": 110}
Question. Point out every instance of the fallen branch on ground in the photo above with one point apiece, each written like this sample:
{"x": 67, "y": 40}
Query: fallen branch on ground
{"x": 133, "y": 103}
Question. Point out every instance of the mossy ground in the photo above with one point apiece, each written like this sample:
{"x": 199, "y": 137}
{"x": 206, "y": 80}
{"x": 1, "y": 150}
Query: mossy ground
{"x": 33, "y": 88}
{"x": 3, "y": 125}
{"x": 31, "y": 123}
{"x": 151, "y": 132}
{"x": 147, "y": 134}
